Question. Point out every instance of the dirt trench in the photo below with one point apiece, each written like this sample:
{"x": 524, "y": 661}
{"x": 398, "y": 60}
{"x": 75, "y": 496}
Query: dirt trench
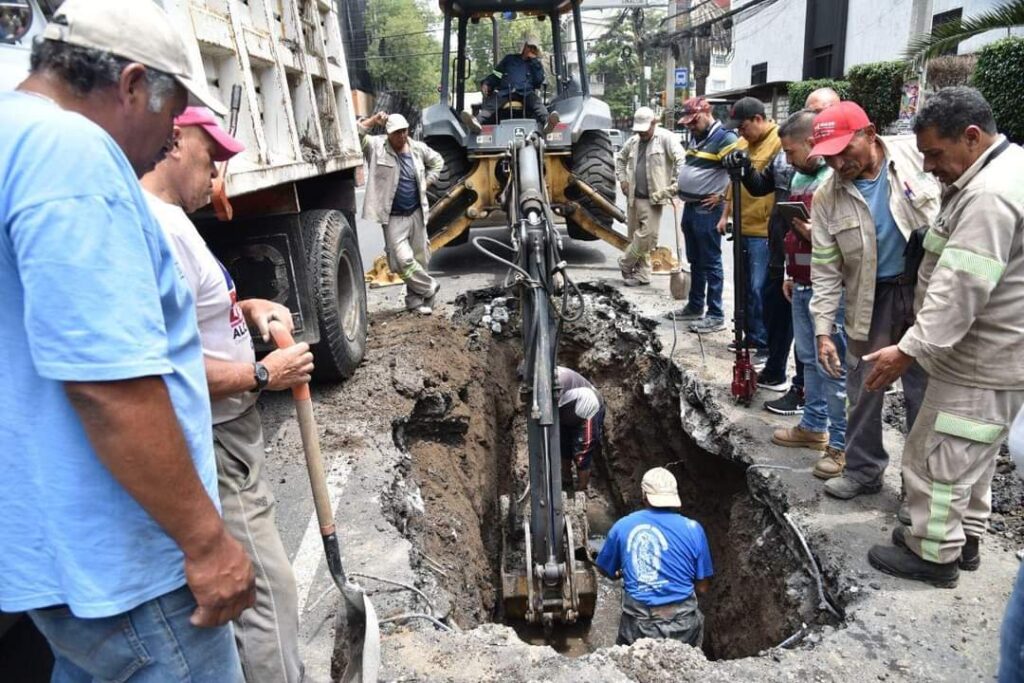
{"x": 462, "y": 444}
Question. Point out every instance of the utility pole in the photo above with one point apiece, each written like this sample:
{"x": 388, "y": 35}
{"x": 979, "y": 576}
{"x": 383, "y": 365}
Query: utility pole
{"x": 638, "y": 24}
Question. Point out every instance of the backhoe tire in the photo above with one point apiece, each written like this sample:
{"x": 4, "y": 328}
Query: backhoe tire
{"x": 593, "y": 162}
{"x": 456, "y": 166}
{"x": 339, "y": 293}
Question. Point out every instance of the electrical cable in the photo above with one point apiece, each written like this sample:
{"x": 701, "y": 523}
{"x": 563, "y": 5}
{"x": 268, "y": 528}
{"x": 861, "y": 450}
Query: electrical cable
{"x": 400, "y": 584}
{"x": 417, "y": 615}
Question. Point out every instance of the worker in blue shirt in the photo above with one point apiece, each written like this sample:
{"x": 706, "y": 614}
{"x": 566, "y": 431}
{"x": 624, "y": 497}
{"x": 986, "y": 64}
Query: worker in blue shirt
{"x": 664, "y": 561}
{"x": 517, "y": 77}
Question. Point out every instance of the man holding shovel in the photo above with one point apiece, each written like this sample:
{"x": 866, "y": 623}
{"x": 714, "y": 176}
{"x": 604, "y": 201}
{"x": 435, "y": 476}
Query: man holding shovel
{"x": 267, "y": 635}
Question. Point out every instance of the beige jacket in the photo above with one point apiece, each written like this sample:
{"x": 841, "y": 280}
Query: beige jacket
{"x": 970, "y": 319}
{"x": 844, "y": 249}
{"x": 383, "y": 171}
{"x": 665, "y": 161}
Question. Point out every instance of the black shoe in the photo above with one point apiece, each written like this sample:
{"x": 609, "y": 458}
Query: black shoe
{"x": 898, "y": 561}
{"x": 792, "y": 403}
{"x": 732, "y": 346}
{"x": 779, "y": 384}
{"x": 970, "y": 555}
{"x": 685, "y": 313}
{"x": 759, "y": 359}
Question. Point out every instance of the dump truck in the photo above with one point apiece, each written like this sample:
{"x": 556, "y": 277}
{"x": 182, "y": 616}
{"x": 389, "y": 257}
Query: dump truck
{"x": 291, "y": 237}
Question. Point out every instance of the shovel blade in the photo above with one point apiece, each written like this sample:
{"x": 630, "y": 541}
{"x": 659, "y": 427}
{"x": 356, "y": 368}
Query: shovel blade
{"x": 357, "y": 620}
{"x": 679, "y": 285}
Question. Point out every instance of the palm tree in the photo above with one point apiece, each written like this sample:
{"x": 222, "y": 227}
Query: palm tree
{"x": 947, "y": 36}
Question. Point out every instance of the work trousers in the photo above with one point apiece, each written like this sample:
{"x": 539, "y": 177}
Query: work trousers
{"x": 757, "y": 256}
{"x": 892, "y": 315}
{"x": 778, "y": 318}
{"x": 533, "y": 107}
{"x": 948, "y": 463}
{"x": 267, "y": 634}
{"x": 405, "y": 240}
{"x": 642, "y": 222}
{"x": 152, "y": 643}
{"x": 824, "y": 395}
{"x": 682, "y": 621}
{"x": 704, "y": 252}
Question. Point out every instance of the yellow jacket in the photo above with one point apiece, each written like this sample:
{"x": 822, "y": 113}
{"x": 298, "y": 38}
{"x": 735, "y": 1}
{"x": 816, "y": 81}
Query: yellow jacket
{"x": 757, "y": 211}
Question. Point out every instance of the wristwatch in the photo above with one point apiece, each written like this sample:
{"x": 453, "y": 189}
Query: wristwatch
{"x": 261, "y": 375}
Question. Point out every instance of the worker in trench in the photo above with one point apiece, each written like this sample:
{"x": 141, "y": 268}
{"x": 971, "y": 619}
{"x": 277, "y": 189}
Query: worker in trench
{"x": 664, "y": 561}
{"x": 581, "y": 425}
{"x": 268, "y": 634}
{"x": 399, "y": 172}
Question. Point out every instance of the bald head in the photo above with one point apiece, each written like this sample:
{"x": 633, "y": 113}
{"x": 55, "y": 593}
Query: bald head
{"x": 821, "y": 99}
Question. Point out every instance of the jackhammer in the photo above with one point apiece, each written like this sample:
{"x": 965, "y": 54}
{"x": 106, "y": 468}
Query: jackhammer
{"x": 542, "y": 582}
{"x": 744, "y": 376}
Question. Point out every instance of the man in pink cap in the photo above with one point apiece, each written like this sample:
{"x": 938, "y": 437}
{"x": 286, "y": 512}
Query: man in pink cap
{"x": 861, "y": 219}
{"x": 266, "y": 634}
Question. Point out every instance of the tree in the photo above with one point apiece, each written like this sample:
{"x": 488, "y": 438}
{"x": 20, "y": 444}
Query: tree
{"x": 997, "y": 77}
{"x": 614, "y": 57}
{"x": 947, "y": 36}
{"x": 403, "y": 57}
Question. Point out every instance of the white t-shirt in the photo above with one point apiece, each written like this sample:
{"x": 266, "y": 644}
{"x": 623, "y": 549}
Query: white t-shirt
{"x": 222, "y": 327}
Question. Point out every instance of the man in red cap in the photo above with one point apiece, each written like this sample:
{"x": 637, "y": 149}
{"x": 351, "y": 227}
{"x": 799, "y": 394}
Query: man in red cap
{"x": 861, "y": 219}
{"x": 266, "y": 634}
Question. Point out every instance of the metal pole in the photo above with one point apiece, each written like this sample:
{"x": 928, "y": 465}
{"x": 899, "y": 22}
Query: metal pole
{"x": 446, "y": 48}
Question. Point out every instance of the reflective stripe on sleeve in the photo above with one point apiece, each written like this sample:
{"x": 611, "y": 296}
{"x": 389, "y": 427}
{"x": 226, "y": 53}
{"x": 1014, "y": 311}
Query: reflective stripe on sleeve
{"x": 827, "y": 255}
{"x": 934, "y": 242}
{"x": 966, "y": 428}
{"x": 973, "y": 264}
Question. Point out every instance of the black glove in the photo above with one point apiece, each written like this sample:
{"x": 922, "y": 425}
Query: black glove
{"x": 737, "y": 159}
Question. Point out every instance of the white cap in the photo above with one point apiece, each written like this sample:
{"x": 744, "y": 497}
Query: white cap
{"x": 642, "y": 119}
{"x": 138, "y": 31}
{"x": 660, "y": 488}
{"x": 531, "y": 41}
{"x": 395, "y": 122}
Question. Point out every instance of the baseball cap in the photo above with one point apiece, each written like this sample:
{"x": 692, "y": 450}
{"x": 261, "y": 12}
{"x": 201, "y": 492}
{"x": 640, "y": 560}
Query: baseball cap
{"x": 642, "y": 119}
{"x": 744, "y": 109}
{"x": 531, "y": 41}
{"x": 835, "y": 127}
{"x": 660, "y": 488}
{"x": 138, "y": 31}
{"x": 395, "y": 122}
{"x": 202, "y": 117}
{"x": 692, "y": 107}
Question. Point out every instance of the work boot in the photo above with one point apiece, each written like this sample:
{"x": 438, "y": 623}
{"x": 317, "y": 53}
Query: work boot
{"x": 903, "y": 514}
{"x": 798, "y": 437}
{"x": 844, "y": 488}
{"x": 898, "y": 561}
{"x": 634, "y": 281}
{"x": 684, "y": 314}
{"x": 707, "y": 325}
{"x": 792, "y": 403}
{"x": 553, "y": 119}
{"x": 831, "y": 464}
{"x": 970, "y": 555}
{"x": 471, "y": 122}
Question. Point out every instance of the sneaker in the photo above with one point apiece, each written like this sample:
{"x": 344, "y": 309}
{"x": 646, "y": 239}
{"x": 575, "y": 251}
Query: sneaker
{"x": 844, "y": 488}
{"x": 970, "y": 555}
{"x": 900, "y": 562}
{"x": 798, "y": 437}
{"x": 633, "y": 281}
{"x": 685, "y": 314}
{"x": 773, "y": 383}
{"x": 732, "y": 346}
{"x": 792, "y": 403}
{"x": 831, "y": 464}
{"x": 423, "y": 310}
{"x": 759, "y": 359}
{"x": 471, "y": 122}
{"x": 707, "y": 325}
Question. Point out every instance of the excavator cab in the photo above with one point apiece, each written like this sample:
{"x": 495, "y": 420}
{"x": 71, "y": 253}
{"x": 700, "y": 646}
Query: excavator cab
{"x": 579, "y": 162}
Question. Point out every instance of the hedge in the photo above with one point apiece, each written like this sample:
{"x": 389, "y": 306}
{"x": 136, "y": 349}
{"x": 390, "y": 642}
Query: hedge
{"x": 799, "y": 90}
{"x": 878, "y": 87}
{"x": 998, "y": 76}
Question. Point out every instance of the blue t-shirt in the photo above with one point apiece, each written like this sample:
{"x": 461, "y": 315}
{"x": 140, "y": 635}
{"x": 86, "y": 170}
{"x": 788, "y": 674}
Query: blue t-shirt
{"x": 89, "y": 291}
{"x": 407, "y": 194}
{"x": 891, "y": 243}
{"x": 661, "y": 555}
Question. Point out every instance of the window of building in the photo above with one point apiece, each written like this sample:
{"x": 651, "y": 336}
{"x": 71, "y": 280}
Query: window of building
{"x": 759, "y": 73}
{"x": 822, "y": 67}
{"x": 717, "y": 85}
{"x": 946, "y": 18}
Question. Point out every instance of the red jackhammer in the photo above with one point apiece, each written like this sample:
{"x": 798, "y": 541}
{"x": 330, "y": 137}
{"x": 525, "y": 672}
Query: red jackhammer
{"x": 744, "y": 377}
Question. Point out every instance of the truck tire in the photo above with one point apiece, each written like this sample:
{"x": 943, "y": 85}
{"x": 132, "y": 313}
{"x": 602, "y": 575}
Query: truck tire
{"x": 339, "y": 293}
{"x": 456, "y": 166}
{"x": 593, "y": 162}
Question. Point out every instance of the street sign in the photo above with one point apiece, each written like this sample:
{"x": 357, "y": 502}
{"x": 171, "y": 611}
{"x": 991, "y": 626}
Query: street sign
{"x": 682, "y": 78}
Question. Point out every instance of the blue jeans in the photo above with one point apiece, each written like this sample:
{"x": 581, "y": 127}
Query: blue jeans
{"x": 756, "y": 250}
{"x": 704, "y": 252}
{"x": 824, "y": 395}
{"x": 152, "y": 643}
{"x": 1011, "y": 646}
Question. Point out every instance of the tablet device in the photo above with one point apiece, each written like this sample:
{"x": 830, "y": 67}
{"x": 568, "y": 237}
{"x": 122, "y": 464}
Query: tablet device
{"x": 791, "y": 210}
